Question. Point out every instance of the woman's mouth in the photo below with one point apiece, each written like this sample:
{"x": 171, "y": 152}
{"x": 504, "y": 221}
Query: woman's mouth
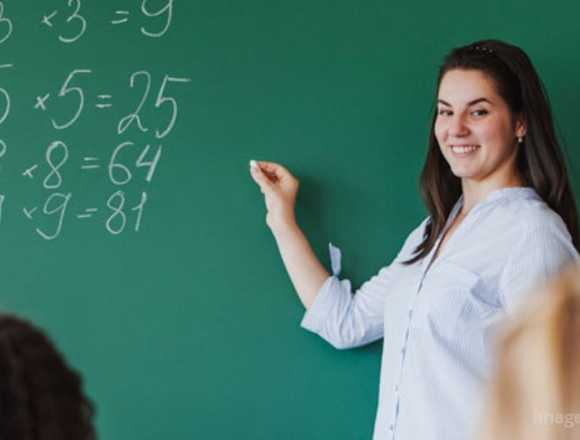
{"x": 464, "y": 150}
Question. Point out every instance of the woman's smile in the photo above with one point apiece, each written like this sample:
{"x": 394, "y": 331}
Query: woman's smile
{"x": 463, "y": 151}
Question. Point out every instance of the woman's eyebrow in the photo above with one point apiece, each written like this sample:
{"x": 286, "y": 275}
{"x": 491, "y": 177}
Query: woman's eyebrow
{"x": 470, "y": 103}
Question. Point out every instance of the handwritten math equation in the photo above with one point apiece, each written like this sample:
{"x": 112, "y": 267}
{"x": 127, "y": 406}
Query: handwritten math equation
{"x": 70, "y": 24}
{"x": 127, "y": 160}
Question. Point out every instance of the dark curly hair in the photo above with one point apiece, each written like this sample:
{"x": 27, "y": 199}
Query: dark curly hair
{"x": 41, "y": 397}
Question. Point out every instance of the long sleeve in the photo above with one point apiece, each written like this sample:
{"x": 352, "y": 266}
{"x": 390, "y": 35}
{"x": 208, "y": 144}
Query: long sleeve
{"x": 348, "y": 320}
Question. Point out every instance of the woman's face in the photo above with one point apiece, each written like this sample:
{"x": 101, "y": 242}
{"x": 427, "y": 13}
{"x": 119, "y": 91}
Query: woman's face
{"x": 475, "y": 129}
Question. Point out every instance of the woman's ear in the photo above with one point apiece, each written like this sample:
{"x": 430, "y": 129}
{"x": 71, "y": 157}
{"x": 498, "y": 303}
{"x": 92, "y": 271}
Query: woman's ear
{"x": 521, "y": 127}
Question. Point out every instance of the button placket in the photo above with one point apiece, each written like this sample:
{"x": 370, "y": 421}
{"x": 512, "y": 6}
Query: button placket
{"x": 403, "y": 351}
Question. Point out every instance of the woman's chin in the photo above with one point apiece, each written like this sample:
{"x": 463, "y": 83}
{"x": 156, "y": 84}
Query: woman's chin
{"x": 463, "y": 173}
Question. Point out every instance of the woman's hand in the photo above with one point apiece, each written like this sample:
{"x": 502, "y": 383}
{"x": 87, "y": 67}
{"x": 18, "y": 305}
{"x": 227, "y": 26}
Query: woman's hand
{"x": 280, "y": 188}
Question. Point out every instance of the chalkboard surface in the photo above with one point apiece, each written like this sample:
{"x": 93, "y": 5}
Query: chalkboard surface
{"x": 133, "y": 233}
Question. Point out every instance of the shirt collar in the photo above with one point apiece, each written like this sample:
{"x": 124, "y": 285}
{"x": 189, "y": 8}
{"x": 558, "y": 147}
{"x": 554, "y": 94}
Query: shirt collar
{"x": 510, "y": 193}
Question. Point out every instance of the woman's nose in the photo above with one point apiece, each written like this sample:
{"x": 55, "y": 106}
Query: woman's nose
{"x": 457, "y": 126}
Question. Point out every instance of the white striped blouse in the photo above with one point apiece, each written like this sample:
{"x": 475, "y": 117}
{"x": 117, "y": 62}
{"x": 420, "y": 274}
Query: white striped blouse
{"x": 437, "y": 318}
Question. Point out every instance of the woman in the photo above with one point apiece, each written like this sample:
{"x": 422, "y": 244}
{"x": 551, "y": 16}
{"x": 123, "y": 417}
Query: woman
{"x": 502, "y": 217}
{"x": 41, "y": 398}
{"x": 535, "y": 388}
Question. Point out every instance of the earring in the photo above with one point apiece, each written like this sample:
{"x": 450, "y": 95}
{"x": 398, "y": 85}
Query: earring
{"x": 520, "y": 140}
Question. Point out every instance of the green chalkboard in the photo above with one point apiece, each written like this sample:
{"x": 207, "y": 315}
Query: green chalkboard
{"x": 132, "y": 231}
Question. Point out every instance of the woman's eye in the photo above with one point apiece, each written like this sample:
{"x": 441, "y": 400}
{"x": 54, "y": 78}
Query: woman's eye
{"x": 476, "y": 113}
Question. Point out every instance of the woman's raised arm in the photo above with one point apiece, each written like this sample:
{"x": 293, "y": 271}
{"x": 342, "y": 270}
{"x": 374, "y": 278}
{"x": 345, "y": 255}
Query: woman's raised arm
{"x": 280, "y": 188}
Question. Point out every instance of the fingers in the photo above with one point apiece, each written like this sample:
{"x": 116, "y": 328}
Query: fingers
{"x": 273, "y": 177}
{"x": 274, "y": 169}
{"x": 267, "y": 169}
{"x": 260, "y": 178}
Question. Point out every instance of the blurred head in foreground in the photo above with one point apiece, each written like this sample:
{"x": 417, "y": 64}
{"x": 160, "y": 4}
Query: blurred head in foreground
{"x": 41, "y": 397}
{"x": 535, "y": 391}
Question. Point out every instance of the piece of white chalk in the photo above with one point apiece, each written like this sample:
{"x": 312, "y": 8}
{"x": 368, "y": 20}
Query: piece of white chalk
{"x": 253, "y": 164}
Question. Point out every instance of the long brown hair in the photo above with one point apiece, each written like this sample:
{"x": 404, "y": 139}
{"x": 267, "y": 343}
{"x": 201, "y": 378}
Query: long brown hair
{"x": 540, "y": 160}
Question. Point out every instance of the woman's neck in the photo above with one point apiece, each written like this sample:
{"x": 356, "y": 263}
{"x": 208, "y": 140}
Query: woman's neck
{"x": 475, "y": 192}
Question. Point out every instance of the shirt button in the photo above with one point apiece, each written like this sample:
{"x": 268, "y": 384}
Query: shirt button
{"x": 396, "y": 387}
{"x": 392, "y": 427}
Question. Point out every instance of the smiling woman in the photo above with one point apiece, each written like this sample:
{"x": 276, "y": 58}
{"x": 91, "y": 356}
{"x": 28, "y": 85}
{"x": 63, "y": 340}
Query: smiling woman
{"x": 502, "y": 218}
{"x": 489, "y": 96}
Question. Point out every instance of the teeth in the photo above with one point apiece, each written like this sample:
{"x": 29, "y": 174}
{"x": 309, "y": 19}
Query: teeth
{"x": 464, "y": 149}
